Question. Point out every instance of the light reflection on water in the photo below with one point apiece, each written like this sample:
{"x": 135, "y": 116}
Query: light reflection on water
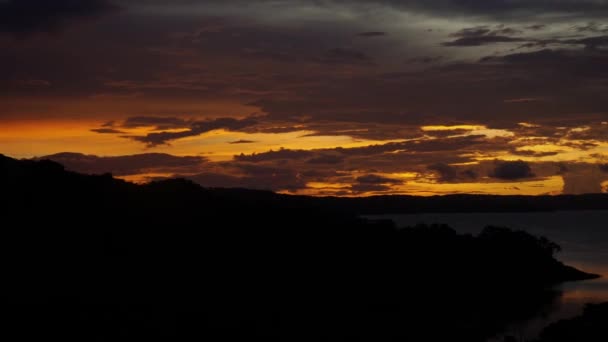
{"x": 583, "y": 236}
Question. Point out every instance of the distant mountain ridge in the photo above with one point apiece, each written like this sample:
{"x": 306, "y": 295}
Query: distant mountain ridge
{"x": 397, "y": 204}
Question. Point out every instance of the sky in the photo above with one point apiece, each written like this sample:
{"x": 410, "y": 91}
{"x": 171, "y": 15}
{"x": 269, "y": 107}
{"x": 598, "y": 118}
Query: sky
{"x": 315, "y": 97}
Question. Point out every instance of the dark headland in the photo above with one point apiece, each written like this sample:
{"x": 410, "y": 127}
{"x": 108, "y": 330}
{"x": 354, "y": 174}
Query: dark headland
{"x": 93, "y": 258}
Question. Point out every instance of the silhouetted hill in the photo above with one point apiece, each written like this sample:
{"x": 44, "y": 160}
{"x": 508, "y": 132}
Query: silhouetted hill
{"x": 96, "y": 258}
{"x": 397, "y": 204}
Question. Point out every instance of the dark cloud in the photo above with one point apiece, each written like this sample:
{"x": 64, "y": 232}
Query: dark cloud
{"x": 450, "y": 174}
{"x": 107, "y": 131}
{"x": 194, "y": 66}
{"x": 370, "y": 34}
{"x": 326, "y": 159}
{"x": 345, "y": 56}
{"x": 365, "y": 187}
{"x": 306, "y": 73}
{"x": 253, "y": 177}
{"x": 512, "y": 9}
{"x": 274, "y": 155}
{"x": 425, "y": 59}
{"x": 29, "y": 16}
{"x": 127, "y": 165}
{"x": 446, "y": 172}
{"x": 483, "y": 35}
{"x": 418, "y": 151}
{"x": 461, "y": 92}
{"x": 446, "y": 132}
{"x": 482, "y": 40}
{"x": 195, "y": 128}
{"x": 469, "y": 174}
{"x": 583, "y": 178}
{"x": 592, "y": 43}
{"x": 592, "y": 27}
{"x": 536, "y": 27}
{"x": 376, "y": 179}
{"x": 512, "y": 170}
{"x": 500, "y": 8}
{"x": 242, "y": 141}
{"x": 160, "y": 123}
{"x": 373, "y": 183}
{"x": 538, "y": 154}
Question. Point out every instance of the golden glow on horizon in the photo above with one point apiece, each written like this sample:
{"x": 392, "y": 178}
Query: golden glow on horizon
{"x": 144, "y": 177}
{"x": 565, "y": 154}
{"x": 472, "y": 130}
{"x": 452, "y": 128}
{"x": 219, "y": 148}
{"x": 492, "y": 133}
{"x": 29, "y": 139}
{"x": 547, "y": 186}
{"x": 528, "y": 125}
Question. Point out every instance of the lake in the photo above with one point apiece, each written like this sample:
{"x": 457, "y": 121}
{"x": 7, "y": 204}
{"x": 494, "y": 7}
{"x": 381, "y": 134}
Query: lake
{"x": 583, "y": 236}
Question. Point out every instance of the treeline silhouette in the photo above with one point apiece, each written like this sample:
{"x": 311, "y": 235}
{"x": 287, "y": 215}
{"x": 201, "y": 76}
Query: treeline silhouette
{"x": 96, "y": 258}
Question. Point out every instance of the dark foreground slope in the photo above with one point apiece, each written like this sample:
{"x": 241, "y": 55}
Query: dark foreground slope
{"x": 95, "y": 258}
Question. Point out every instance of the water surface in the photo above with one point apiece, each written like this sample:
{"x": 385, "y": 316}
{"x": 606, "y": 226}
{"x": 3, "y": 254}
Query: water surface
{"x": 583, "y": 236}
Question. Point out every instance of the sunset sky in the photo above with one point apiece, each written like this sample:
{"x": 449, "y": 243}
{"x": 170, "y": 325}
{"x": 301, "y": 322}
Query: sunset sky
{"x": 314, "y": 97}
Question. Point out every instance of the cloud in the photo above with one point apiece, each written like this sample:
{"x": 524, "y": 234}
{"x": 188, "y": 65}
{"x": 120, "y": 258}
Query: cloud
{"x": 161, "y": 123}
{"x": 482, "y": 40}
{"x": 326, "y": 159}
{"x": 512, "y": 9}
{"x": 376, "y": 179}
{"x": 195, "y": 128}
{"x": 469, "y": 174}
{"x": 345, "y": 56}
{"x": 483, "y": 35}
{"x": 538, "y": 154}
{"x": 592, "y": 27}
{"x": 582, "y": 178}
{"x": 536, "y": 27}
{"x": 425, "y": 59}
{"x": 318, "y": 78}
{"x": 127, "y": 165}
{"x": 242, "y": 141}
{"x": 591, "y": 43}
{"x": 30, "y": 16}
{"x": 389, "y": 155}
{"x": 512, "y": 170}
{"x": 281, "y": 154}
{"x": 363, "y": 188}
{"x": 450, "y": 174}
{"x": 460, "y": 92}
{"x": 304, "y": 85}
{"x": 371, "y": 34}
{"x": 253, "y": 177}
{"x": 373, "y": 183}
{"x": 446, "y": 172}
{"x": 107, "y": 131}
